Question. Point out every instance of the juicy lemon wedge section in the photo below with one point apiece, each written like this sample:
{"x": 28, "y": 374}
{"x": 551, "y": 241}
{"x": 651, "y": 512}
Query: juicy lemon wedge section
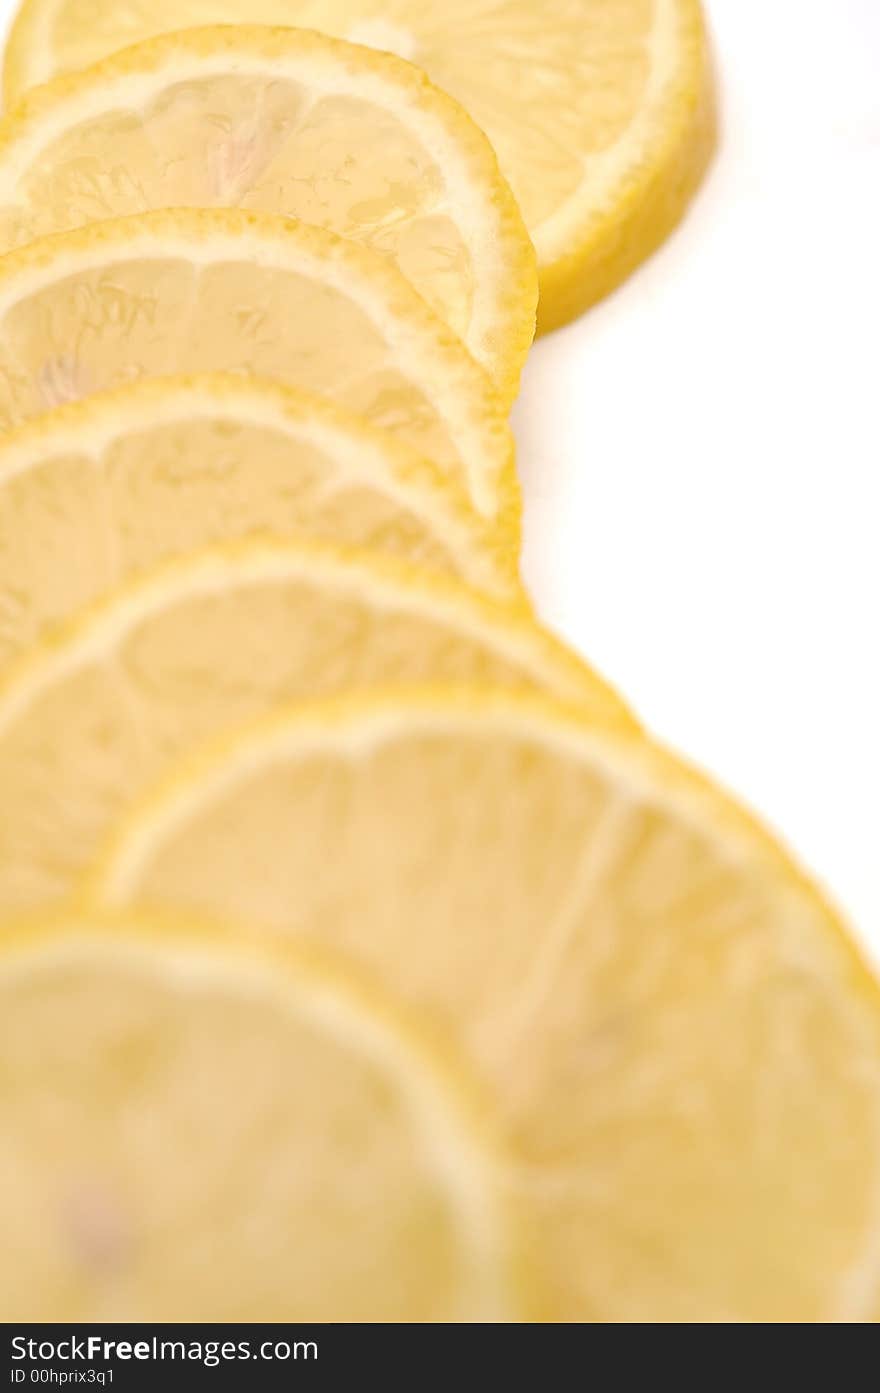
{"x": 192, "y": 290}
{"x": 99, "y": 490}
{"x": 292, "y": 122}
{"x": 600, "y": 111}
{"x": 210, "y": 1129}
{"x": 683, "y": 1047}
{"x": 98, "y": 710}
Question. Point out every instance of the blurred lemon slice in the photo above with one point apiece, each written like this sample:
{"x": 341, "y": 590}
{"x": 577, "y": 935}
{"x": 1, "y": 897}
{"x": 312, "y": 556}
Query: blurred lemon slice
{"x": 286, "y": 121}
{"x": 600, "y": 111}
{"x": 95, "y": 491}
{"x": 108, "y": 701}
{"x": 192, "y": 290}
{"x": 209, "y": 1130}
{"x": 683, "y": 1046}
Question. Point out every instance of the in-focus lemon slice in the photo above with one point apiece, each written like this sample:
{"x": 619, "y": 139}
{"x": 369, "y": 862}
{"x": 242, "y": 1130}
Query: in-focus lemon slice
{"x": 600, "y": 111}
{"x": 683, "y": 1045}
{"x": 97, "y": 711}
{"x": 96, "y": 491}
{"x": 285, "y": 121}
{"x": 199, "y": 1128}
{"x": 193, "y": 290}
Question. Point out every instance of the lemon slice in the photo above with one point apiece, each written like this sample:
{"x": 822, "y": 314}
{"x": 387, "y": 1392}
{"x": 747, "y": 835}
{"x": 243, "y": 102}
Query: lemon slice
{"x": 199, "y": 1128}
{"x": 683, "y": 1046}
{"x": 198, "y": 290}
{"x": 96, "y": 491}
{"x": 103, "y": 706}
{"x": 286, "y": 121}
{"x": 600, "y": 111}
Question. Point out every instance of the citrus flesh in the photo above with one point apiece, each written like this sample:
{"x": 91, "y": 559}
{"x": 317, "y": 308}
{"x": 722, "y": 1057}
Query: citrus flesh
{"x": 683, "y": 1047}
{"x": 292, "y": 122}
{"x": 600, "y": 112}
{"x": 107, "y": 701}
{"x": 191, "y": 290}
{"x": 97, "y": 491}
{"x": 199, "y": 1128}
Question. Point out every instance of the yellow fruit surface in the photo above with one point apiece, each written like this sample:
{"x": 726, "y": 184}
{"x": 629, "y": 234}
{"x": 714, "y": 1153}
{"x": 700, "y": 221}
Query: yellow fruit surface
{"x": 198, "y": 1127}
{"x": 102, "y": 707}
{"x": 194, "y": 290}
{"x": 99, "y": 490}
{"x": 292, "y": 122}
{"x": 683, "y": 1047}
{"x": 601, "y": 111}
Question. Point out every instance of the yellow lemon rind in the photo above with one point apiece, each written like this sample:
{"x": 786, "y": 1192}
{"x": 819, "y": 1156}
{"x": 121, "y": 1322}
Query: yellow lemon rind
{"x": 505, "y": 281}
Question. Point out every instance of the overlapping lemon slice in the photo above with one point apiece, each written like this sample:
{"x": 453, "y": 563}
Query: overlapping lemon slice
{"x": 98, "y": 490}
{"x": 99, "y": 709}
{"x": 197, "y": 1127}
{"x": 600, "y": 110}
{"x": 191, "y": 290}
{"x": 286, "y": 121}
{"x": 683, "y": 1047}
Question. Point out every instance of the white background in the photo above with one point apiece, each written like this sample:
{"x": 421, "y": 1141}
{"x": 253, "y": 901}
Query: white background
{"x": 701, "y": 453}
